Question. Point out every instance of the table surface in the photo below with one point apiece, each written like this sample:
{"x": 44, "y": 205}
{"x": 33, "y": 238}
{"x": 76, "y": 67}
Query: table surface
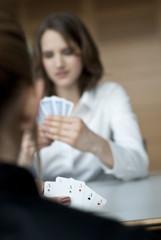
{"x": 136, "y": 201}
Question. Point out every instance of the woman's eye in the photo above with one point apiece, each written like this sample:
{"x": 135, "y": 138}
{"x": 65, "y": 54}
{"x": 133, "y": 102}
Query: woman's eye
{"x": 68, "y": 51}
{"x": 48, "y": 54}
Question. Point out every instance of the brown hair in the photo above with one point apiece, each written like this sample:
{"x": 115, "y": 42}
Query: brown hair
{"x": 72, "y": 29}
{"x": 15, "y": 62}
{"x": 15, "y": 66}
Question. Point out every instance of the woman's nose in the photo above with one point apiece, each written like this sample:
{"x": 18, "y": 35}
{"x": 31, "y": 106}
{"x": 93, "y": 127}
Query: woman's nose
{"x": 59, "y": 62}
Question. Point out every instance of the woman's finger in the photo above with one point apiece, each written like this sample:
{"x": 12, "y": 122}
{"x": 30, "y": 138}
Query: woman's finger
{"x": 64, "y": 200}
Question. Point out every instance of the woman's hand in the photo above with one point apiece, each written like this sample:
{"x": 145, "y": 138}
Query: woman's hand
{"x": 70, "y": 130}
{"x": 64, "y": 200}
{"x": 43, "y": 140}
{"x": 28, "y": 147}
{"x": 73, "y": 131}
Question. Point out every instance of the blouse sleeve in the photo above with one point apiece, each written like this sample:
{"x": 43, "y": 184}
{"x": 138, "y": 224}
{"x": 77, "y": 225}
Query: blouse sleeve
{"x": 130, "y": 157}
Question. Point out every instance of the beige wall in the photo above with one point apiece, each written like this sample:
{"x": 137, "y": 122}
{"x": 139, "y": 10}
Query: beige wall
{"x": 128, "y": 34}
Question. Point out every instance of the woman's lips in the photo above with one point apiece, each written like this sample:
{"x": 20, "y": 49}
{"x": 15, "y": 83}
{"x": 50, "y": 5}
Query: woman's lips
{"x": 62, "y": 74}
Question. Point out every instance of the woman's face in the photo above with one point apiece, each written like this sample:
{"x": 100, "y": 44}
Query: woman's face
{"x": 63, "y": 64}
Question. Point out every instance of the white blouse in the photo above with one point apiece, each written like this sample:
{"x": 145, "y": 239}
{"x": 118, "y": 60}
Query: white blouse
{"x": 106, "y": 110}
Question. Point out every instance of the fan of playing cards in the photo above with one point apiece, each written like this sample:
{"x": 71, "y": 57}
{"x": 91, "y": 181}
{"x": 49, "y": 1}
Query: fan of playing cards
{"x": 81, "y": 195}
{"x": 54, "y": 105}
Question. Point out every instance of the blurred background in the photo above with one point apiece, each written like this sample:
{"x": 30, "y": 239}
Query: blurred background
{"x": 128, "y": 35}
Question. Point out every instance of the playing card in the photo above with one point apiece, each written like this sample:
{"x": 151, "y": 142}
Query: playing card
{"x": 62, "y": 180}
{"x": 68, "y": 106}
{"x": 81, "y": 195}
{"x": 65, "y": 188}
{"x": 79, "y": 189}
{"x": 98, "y": 203}
{"x": 59, "y": 105}
{"x": 41, "y": 115}
{"x": 88, "y": 198}
{"x": 50, "y": 189}
{"x": 47, "y": 104}
{"x": 58, "y": 189}
{"x": 53, "y": 105}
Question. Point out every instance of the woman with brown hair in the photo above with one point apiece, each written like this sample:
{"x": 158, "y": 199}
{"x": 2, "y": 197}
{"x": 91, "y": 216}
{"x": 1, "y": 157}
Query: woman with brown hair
{"x": 102, "y": 135}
